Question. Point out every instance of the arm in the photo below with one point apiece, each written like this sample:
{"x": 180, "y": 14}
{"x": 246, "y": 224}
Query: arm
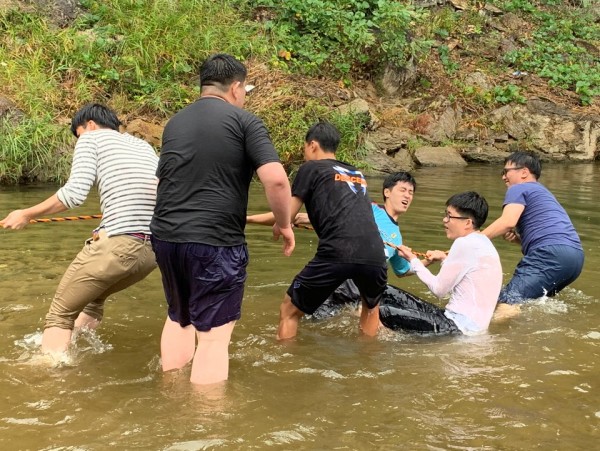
{"x": 401, "y": 264}
{"x": 448, "y": 277}
{"x": 269, "y": 219}
{"x": 301, "y": 219}
{"x": 262, "y": 219}
{"x": 278, "y": 192}
{"x": 18, "y": 219}
{"x": 425, "y": 262}
{"x": 506, "y": 222}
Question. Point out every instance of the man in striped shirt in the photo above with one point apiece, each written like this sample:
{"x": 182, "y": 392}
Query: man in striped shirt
{"x": 119, "y": 254}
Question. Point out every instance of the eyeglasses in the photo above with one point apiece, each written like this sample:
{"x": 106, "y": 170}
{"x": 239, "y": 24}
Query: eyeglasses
{"x": 505, "y": 170}
{"x": 448, "y": 216}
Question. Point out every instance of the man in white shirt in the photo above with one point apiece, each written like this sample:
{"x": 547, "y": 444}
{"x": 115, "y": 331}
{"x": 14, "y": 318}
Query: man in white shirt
{"x": 471, "y": 272}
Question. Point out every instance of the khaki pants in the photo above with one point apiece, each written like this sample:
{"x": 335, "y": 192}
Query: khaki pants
{"x": 103, "y": 267}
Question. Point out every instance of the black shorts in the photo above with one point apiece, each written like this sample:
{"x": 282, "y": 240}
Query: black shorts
{"x": 319, "y": 279}
{"x": 204, "y": 285}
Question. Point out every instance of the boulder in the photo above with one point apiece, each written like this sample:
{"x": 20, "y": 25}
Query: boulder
{"x": 396, "y": 81}
{"x": 479, "y": 80}
{"x": 445, "y": 126}
{"x": 551, "y": 130}
{"x": 360, "y": 107}
{"x": 380, "y": 162}
{"x": 484, "y": 154}
{"x": 151, "y": 133}
{"x": 389, "y": 140}
{"x": 439, "y": 156}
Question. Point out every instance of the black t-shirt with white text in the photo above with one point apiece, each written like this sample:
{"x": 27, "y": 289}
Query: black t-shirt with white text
{"x": 339, "y": 208}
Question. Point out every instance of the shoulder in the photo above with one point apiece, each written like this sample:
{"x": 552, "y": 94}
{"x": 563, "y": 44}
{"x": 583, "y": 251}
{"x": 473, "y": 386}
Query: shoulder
{"x": 306, "y": 168}
{"x": 88, "y": 141}
{"x": 342, "y": 165}
{"x": 136, "y": 141}
{"x": 376, "y": 208}
{"x": 526, "y": 187}
{"x": 465, "y": 243}
{"x": 380, "y": 214}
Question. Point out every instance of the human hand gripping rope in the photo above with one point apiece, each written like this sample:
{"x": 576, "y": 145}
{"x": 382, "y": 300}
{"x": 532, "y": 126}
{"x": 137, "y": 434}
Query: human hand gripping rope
{"x": 382, "y": 233}
{"x": 387, "y": 242}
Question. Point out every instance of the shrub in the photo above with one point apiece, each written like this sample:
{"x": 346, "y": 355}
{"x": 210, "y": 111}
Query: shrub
{"x": 340, "y": 37}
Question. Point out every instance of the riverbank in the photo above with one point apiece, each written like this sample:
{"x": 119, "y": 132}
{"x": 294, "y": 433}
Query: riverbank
{"x": 472, "y": 80}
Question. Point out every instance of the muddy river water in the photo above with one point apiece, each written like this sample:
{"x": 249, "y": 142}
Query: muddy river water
{"x": 531, "y": 383}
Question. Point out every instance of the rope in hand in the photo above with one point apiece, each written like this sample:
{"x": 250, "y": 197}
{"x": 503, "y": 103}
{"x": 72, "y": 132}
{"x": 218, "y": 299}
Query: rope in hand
{"x": 65, "y": 218}
{"x": 418, "y": 254}
{"x": 302, "y": 226}
{"x": 387, "y": 242}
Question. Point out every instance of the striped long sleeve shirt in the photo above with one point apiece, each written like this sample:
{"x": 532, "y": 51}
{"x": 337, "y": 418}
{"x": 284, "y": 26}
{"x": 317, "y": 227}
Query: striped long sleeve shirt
{"x": 124, "y": 169}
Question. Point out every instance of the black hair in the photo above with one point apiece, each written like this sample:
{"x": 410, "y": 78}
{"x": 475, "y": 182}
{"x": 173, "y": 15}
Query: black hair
{"x": 527, "y": 160}
{"x": 326, "y": 134}
{"x": 221, "y": 70}
{"x": 393, "y": 179}
{"x": 100, "y": 114}
{"x": 470, "y": 204}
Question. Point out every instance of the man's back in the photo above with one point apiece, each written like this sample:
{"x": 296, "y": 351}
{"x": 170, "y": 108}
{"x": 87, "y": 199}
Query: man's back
{"x": 543, "y": 221}
{"x": 335, "y": 195}
{"x": 124, "y": 167}
{"x": 210, "y": 152}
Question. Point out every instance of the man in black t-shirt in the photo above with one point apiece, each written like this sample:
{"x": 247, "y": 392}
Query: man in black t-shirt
{"x": 209, "y": 153}
{"x": 335, "y": 195}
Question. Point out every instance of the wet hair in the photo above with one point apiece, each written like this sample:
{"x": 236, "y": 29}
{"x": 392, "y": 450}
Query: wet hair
{"x": 393, "y": 179}
{"x": 527, "y": 160}
{"x": 325, "y": 134}
{"x": 470, "y": 204}
{"x": 221, "y": 70}
{"x": 100, "y": 114}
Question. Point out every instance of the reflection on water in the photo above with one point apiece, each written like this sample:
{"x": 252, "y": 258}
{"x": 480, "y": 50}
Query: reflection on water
{"x": 532, "y": 382}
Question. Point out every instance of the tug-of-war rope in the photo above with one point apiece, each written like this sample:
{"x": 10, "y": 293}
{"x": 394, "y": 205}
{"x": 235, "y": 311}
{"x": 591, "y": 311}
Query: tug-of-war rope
{"x": 84, "y": 217}
{"x": 387, "y": 243}
{"x": 65, "y": 218}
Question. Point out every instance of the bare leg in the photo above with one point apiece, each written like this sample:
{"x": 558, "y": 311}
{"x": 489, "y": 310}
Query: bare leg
{"x": 211, "y": 360}
{"x": 56, "y": 340}
{"x": 87, "y": 321}
{"x": 506, "y": 311}
{"x": 289, "y": 317}
{"x": 177, "y": 345}
{"x": 369, "y": 320}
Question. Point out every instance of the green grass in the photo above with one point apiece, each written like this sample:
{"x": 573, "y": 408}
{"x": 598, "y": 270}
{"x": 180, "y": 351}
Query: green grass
{"x": 554, "y": 51}
{"x": 146, "y": 51}
{"x": 34, "y": 150}
{"x": 141, "y": 57}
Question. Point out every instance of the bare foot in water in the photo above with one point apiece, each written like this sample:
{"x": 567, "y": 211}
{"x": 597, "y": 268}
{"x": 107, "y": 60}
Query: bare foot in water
{"x": 506, "y": 311}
